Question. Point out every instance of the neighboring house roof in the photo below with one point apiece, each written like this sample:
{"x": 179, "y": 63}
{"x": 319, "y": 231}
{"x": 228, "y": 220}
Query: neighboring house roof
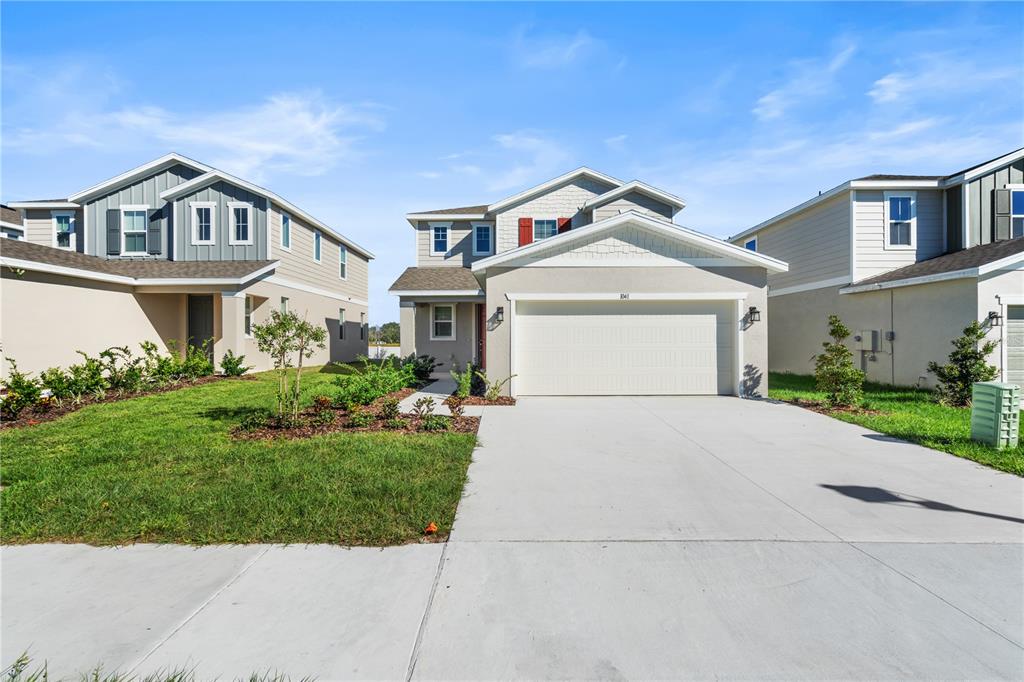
{"x": 901, "y": 177}
{"x": 440, "y": 280}
{"x": 137, "y": 173}
{"x": 481, "y": 209}
{"x": 43, "y": 203}
{"x": 9, "y": 217}
{"x": 666, "y": 229}
{"x": 972, "y": 262}
{"x": 551, "y": 184}
{"x": 28, "y": 256}
{"x": 216, "y": 175}
{"x": 639, "y": 187}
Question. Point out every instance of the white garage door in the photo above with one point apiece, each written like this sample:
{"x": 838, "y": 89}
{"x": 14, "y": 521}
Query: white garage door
{"x": 625, "y": 348}
{"x": 1015, "y": 344}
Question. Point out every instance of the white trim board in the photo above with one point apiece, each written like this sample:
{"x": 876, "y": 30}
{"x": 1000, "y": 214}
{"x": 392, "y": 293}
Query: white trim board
{"x": 132, "y": 281}
{"x": 629, "y": 296}
{"x": 42, "y": 204}
{"x": 809, "y": 286}
{"x": 277, "y": 279}
{"x": 640, "y": 188}
{"x": 1014, "y": 262}
{"x": 436, "y": 292}
{"x": 412, "y": 217}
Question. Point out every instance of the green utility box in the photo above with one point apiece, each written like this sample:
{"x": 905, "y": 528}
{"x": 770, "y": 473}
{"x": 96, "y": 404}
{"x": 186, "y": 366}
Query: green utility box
{"x": 995, "y": 414}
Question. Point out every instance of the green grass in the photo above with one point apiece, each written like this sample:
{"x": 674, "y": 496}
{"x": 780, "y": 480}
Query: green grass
{"x": 163, "y": 468}
{"x": 909, "y": 414}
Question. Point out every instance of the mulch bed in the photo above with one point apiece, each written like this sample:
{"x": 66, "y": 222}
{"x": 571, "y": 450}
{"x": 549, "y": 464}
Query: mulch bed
{"x": 821, "y": 408}
{"x": 480, "y": 400}
{"x": 36, "y": 415}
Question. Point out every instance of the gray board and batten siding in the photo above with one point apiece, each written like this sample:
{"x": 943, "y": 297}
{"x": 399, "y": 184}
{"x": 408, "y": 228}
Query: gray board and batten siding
{"x": 980, "y": 196}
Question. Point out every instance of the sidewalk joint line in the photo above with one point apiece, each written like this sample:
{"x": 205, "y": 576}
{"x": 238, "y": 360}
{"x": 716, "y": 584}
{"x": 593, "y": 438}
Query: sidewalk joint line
{"x": 415, "y": 654}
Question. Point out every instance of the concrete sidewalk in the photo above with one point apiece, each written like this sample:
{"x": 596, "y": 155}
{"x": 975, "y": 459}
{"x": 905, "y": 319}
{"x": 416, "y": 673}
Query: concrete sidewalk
{"x": 438, "y": 391}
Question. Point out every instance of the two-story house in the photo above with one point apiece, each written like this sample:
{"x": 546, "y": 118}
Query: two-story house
{"x": 584, "y": 285}
{"x": 907, "y": 261}
{"x": 174, "y": 250}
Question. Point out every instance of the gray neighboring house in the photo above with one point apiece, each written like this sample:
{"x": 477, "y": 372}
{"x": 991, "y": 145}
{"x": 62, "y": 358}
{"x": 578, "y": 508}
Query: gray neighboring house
{"x": 174, "y": 252}
{"x": 584, "y": 285}
{"x": 10, "y": 223}
{"x": 907, "y": 261}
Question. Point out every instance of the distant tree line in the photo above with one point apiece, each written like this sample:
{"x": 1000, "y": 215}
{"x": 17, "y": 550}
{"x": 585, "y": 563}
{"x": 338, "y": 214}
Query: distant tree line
{"x": 387, "y": 333}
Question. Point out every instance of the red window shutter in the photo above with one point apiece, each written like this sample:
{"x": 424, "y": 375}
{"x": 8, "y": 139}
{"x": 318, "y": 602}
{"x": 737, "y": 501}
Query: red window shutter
{"x": 564, "y": 225}
{"x": 525, "y": 231}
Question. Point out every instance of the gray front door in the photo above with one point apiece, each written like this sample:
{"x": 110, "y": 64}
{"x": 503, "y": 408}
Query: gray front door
{"x": 200, "y": 321}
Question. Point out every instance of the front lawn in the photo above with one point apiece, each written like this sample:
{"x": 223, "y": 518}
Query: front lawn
{"x": 164, "y": 468}
{"x": 909, "y": 414}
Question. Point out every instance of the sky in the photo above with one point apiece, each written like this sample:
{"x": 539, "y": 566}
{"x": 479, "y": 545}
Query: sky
{"x": 360, "y": 113}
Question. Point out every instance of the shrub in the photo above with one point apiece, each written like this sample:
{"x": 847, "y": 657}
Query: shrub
{"x": 388, "y": 409}
{"x": 254, "y": 420}
{"x": 283, "y": 336}
{"x": 372, "y": 381}
{"x": 87, "y": 377}
{"x": 463, "y": 380}
{"x": 834, "y": 372}
{"x": 46, "y": 403}
{"x": 125, "y": 373}
{"x": 455, "y": 404}
{"x": 423, "y": 407}
{"x": 197, "y": 362}
{"x": 397, "y": 424}
{"x": 422, "y": 366}
{"x": 233, "y": 365}
{"x": 58, "y": 382}
{"x": 492, "y": 389}
{"x": 323, "y": 418}
{"x": 161, "y": 369}
{"x": 322, "y": 403}
{"x": 435, "y": 422}
{"x": 359, "y": 418}
{"x": 967, "y": 365}
{"x": 21, "y": 391}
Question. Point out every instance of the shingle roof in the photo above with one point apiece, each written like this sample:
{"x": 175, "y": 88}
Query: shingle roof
{"x": 458, "y": 209}
{"x": 140, "y": 269}
{"x": 973, "y": 257}
{"x": 883, "y": 176}
{"x": 9, "y": 215}
{"x": 436, "y": 279}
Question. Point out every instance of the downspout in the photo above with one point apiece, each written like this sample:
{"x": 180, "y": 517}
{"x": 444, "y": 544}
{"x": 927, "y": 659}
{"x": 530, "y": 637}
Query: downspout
{"x": 892, "y": 342}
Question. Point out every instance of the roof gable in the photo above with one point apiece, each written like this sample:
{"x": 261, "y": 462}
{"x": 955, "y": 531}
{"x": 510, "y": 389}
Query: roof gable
{"x": 640, "y": 188}
{"x": 137, "y": 173}
{"x": 552, "y": 184}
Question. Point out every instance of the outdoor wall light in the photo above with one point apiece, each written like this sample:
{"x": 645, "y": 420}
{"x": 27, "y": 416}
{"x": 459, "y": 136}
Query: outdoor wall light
{"x": 995, "y": 319}
{"x": 754, "y": 314}
{"x": 499, "y": 314}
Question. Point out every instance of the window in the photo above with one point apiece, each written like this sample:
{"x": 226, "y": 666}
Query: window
{"x": 341, "y": 323}
{"x": 750, "y": 244}
{"x": 286, "y": 232}
{"x": 240, "y": 231}
{"x": 342, "y": 262}
{"x": 481, "y": 240}
{"x": 64, "y": 230}
{"x": 284, "y": 304}
{"x": 442, "y": 323}
{"x": 317, "y": 245}
{"x": 133, "y": 229}
{"x": 248, "y": 315}
{"x": 1016, "y": 214}
{"x": 362, "y": 326}
{"x": 900, "y": 220}
{"x": 203, "y": 222}
{"x": 439, "y": 243}
{"x": 542, "y": 229}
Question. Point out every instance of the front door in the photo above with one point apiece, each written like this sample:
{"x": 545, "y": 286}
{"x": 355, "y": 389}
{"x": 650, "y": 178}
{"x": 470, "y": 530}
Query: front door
{"x": 200, "y": 322}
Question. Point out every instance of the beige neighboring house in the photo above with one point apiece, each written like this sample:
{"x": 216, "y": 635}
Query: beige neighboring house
{"x": 584, "y": 285}
{"x": 174, "y": 251}
{"x": 10, "y": 223}
{"x": 907, "y": 261}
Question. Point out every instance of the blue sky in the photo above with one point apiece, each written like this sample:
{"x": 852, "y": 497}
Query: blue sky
{"x": 360, "y": 113}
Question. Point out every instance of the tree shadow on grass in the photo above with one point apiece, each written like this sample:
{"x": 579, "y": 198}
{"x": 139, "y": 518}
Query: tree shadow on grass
{"x": 219, "y": 414}
{"x": 883, "y": 496}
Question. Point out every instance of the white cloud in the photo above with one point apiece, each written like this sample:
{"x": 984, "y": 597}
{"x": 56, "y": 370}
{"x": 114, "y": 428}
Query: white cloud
{"x": 534, "y": 157}
{"x": 616, "y": 143}
{"x": 429, "y": 175}
{"x": 808, "y": 79}
{"x": 553, "y": 50}
{"x": 935, "y": 75}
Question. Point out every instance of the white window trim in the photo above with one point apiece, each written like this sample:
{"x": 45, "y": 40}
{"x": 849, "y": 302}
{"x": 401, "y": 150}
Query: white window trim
{"x": 212, "y": 205}
{"x": 249, "y": 303}
{"x": 73, "y": 240}
{"x": 1014, "y": 189}
{"x": 913, "y": 222}
{"x": 752, "y": 239}
{"x": 490, "y": 229}
{"x": 317, "y": 234}
{"x": 342, "y": 258}
{"x": 447, "y": 238}
{"x": 124, "y": 241}
{"x": 232, "y": 241}
{"x": 540, "y": 239}
{"x": 281, "y": 243}
{"x": 433, "y": 307}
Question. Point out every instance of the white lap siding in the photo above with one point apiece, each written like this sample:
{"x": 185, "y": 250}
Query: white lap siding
{"x": 873, "y": 258}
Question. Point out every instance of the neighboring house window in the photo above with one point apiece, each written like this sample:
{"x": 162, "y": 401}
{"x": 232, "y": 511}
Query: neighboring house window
{"x": 286, "y": 232}
{"x": 204, "y": 216}
{"x": 482, "y": 240}
{"x": 442, "y": 322}
{"x": 1017, "y": 214}
{"x": 64, "y": 230}
{"x": 248, "y": 315}
{"x": 341, "y": 323}
{"x": 241, "y": 233}
{"x": 317, "y": 245}
{"x": 439, "y": 243}
{"x": 542, "y": 229}
{"x": 133, "y": 229}
{"x": 751, "y": 244}
{"x": 284, "y": 304}
{"x": 900, "y": 220}
{"x": 362, "y": 326}
{"x": 342, "y": 262}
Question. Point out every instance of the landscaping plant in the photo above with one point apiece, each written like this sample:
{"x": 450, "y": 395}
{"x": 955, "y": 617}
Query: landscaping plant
{"x": 463, "y": 379}
{"x": 197, "y": 362}
{"x": 371, "y": 381}
{"x": 435, "y": 422}
{"x": 834, "y": 373}
{"x": 455, "y": 404}
{"x": 388, "y": 409}
{"x": 233, "y": 365}
{"x": 125, "y": 373}
{"x": 20, "y": 391}
{"x": 492, "y": 389}
{"x": 967, "y": 365}
{"x": 422, "y": 366}
{"x": 423, "y": 407}
{"x": 283, "y": 336}
{"x": 359, "y": 418}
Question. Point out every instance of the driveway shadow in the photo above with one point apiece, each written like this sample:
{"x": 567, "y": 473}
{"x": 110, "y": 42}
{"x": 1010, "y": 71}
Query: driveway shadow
{"x": 883, "y": 496}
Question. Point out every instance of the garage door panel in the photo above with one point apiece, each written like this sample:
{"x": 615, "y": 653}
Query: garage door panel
{"x": 623, "y": 348}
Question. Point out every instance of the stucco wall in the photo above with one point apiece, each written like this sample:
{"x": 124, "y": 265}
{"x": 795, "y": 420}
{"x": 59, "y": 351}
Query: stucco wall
{"x": 460, "y": 351}
{"x": 616, "y": 280}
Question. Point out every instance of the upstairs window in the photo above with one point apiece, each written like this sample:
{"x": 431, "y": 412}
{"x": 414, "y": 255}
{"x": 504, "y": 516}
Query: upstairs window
{"x": 900, "y": 220}
{"x": 317, "y": 245}
{"x": 286, "y": 232}
{"x": 1016, "y": 214}
{"x": 750, "y": 244}
{"x": 64, "y": 230}
{"x": 133, "y": 230}
{"x": 439, "y": 240}
{"x": 240, "y": 231}
{"x": 482, "y": 240}
{"x": 203, "y": 226}
{"x": 342, "y": 262}
{"x": 542, "y": 229}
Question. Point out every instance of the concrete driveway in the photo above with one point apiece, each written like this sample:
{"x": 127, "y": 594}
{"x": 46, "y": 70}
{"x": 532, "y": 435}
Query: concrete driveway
{"x": 598, "y": 538}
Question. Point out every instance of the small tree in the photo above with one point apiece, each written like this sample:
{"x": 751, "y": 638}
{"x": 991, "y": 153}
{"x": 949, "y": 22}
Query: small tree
{"x": 967, "y": 365}
{"x": 834, "y": 372}
{"x": 283, "y": 336}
